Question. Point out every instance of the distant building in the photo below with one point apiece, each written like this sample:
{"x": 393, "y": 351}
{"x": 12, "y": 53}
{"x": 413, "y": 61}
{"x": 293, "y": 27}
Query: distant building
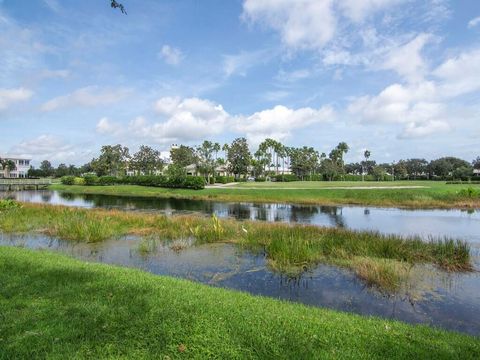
{"x": 22, "y": 165}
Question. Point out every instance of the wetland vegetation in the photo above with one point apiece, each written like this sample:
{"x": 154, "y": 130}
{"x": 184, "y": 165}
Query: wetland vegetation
{"x": 381, "y": 260}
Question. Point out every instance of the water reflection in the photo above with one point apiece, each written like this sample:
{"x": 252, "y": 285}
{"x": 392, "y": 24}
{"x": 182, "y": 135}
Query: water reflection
{"x": 439, "y": 223}
{"x": 436, "y": 298}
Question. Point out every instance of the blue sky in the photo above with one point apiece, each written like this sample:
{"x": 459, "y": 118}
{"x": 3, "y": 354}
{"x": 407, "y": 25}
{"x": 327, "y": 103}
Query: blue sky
{"x": 398, "y": 77}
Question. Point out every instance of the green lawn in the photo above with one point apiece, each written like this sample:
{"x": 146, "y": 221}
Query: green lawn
{"x": 434, "y": 195}
{"x": 55, "y": 307}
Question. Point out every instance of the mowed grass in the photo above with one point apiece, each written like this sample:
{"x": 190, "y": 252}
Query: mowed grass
{"x": 55, "y": 307}
{"x": 381, "y": 260}
{"x": 431, "y": 195}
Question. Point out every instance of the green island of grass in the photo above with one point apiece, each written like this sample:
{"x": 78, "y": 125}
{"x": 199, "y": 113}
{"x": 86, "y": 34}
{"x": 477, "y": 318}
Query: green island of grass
{"x": 56, "y": 307}
{"x": 427, "y": 194}
{"x": 382, "y": 260}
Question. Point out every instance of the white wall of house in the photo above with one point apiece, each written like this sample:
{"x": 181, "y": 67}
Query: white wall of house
{"x": 22, "y": 166}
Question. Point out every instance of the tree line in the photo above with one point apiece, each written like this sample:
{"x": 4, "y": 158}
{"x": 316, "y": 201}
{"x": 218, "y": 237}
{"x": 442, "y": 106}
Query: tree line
{"x": 270, "y": 159}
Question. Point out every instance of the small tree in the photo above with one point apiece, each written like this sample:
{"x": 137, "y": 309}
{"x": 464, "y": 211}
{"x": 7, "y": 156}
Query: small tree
{"x": 239, "y": 157}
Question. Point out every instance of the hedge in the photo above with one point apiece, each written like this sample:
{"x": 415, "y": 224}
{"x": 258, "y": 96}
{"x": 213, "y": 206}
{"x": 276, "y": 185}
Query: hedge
{"x": 68, "y": 180}
{"x": 188, "y": 182}
{"x": 224, "y": 179}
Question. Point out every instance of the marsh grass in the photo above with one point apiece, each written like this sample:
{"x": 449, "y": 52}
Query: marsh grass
{"x": 376, "y": 258}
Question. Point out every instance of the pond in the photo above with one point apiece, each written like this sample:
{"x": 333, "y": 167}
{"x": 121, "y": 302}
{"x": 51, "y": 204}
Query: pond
{"x": 447, "y": 300}
{"x": 460, "y": 224}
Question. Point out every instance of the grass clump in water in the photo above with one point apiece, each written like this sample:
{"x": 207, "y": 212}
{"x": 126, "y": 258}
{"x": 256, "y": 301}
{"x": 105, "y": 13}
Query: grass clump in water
{"x": 289, "y": 248}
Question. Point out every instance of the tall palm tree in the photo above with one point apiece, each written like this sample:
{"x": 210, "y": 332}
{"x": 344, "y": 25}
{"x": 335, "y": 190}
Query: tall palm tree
{"x": 343, "y": 149}
{"x": 366, "y": 154}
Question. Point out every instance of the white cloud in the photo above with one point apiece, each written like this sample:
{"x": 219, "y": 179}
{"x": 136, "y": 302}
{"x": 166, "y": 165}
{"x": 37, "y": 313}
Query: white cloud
{"x": 11, "y": 96}
{"x": 301, "y": 23}
{"x": 407, "y": 59}
{"x": 414, "y": 130}
{"x": 279, "y": 122}
{"x": 86, "y": 97}
{"x": 45, "y": 147}
{"x": 417, "y": 107}
{"x": 107, "y": 127}
{"x": 474, "y": 22}
{"x": 459, "y": 75}
{"x": 171, "y": 55}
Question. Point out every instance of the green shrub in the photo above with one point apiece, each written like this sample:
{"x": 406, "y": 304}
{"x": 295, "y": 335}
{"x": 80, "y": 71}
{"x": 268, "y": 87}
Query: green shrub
{"x": 79, "y": 181}
{"x": 260, "y": 179}
{"x": 194, "y": 182}
{"x": 108, "y": 180}
{"x": 212, "y": 180}
{"x": 285, "y": 177}
{"x": 68, "y": 180}
{"x": 90, "y": 179}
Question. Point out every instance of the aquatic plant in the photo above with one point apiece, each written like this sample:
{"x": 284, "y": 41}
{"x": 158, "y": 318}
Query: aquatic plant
{"x": 288, "y": 248}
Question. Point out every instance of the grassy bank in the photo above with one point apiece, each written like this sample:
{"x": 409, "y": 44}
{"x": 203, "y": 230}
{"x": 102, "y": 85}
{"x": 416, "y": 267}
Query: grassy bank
{"x": 52, "y": 306}
{"x": 432, "y": 195}
{"x": 381, "y": 260}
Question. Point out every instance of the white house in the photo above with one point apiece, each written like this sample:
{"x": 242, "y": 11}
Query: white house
{"x": 22, "y": 165}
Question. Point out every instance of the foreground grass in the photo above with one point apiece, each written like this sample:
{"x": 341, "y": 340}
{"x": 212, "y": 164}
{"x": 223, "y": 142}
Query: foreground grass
{"x": 432, "y": 195}
{"x": 55, "y": 307}
{"x": 381, "y": 260}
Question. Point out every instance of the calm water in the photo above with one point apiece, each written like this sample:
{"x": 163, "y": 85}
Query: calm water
{"x": 451, "y": 301}
{"x": 453, "y": 223}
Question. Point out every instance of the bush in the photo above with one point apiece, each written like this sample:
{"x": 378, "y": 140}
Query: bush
{"x": 260, "y": 179}
{"x": 194, "y": 182}
{"x": 240, "y": 179}
{"x": 79, "y": 181}
{"x": 285, "y": 177}
{"x": 108, "y": 180}
{"x": 68, "y": 180}
{"x": 212, "y": 180}
{"x": 90, "y": 180}
{"x": 224, "y": 179}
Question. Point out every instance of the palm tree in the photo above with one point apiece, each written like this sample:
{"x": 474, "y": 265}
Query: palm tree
{"x": 366, "y": 154}
{"x": 343, "y": 149}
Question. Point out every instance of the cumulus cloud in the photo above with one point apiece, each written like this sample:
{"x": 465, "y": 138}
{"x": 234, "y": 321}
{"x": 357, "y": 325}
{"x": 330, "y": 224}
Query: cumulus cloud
{"x": 474, "y": 22}
{"x": 107, "y": 127}
{"x": 45, "y": 147}
{"x": 171, "y": 55}
{"x": 10, "y": 96}
{"x": 194, "y": 119}
{"x": 301, "y": 23}
{"x": 280, "y": 121}
{"x": 311, "y": 24}
{"x": 86, "y": 97}
{"x": 407, "y": 59}
{"x": 460, "y": 74}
